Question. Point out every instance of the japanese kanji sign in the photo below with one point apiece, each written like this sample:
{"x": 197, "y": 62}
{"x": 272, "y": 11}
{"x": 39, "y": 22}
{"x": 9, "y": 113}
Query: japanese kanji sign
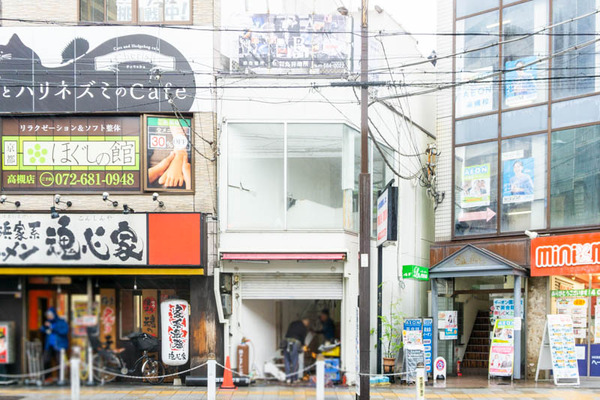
{"x": 99, "y": 69}
{"x": 175, "y": 332}
{"x": 150, "y": 314}
{"x": 90, "y": 239}
{"x": 71, "y": 154}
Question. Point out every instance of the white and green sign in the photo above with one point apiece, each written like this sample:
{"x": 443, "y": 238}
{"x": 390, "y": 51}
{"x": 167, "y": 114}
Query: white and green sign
{"x": 576, "y": 293}
{"x": 415, "y": 272}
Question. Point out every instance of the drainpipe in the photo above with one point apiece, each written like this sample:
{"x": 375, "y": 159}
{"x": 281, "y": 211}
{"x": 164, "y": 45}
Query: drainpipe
{"x": 222, "y": 319}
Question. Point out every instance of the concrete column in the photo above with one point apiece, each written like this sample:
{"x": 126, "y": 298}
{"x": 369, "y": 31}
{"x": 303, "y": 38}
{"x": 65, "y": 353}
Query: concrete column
{"x": 517, "y": 333}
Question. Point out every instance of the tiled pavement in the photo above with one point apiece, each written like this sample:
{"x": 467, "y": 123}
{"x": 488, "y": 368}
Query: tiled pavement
{"x": 454, "y": 390}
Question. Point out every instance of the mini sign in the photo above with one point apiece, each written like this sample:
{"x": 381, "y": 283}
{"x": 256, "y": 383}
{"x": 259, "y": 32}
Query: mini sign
{"x": 565, "y": 254}
{"x": 415, "y": 272}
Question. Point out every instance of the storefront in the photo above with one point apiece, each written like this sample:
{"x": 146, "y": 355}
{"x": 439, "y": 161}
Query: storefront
{"x": 112, "y": 270}
{"x": 572, "y": 265}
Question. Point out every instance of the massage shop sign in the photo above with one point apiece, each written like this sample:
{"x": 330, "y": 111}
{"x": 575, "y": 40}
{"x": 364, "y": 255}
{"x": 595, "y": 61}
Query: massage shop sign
{"x": 104, "y": 69}
{"x": 90, "y": 239}
{"x": 565, "y": 254}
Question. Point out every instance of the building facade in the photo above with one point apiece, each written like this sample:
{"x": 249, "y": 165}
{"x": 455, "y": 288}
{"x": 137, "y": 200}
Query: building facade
{"x": 518, "y": 125}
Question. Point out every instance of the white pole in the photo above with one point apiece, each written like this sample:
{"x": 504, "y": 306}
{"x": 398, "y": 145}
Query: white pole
{"x": 211, "y": 392}
{"x": 320, "y": 377}
{"x": 75, "y": 384}
{"x": 62, "y": 366}
{"x": 420, "y": 386}
{"x": 90, "y": 366}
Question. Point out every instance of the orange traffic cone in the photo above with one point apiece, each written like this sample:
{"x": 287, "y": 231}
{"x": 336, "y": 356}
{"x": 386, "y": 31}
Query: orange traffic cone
{"x": 228, "y": 377}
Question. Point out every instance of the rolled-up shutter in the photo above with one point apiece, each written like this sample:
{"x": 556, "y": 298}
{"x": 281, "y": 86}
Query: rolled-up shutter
{"x": 292, "y": 286}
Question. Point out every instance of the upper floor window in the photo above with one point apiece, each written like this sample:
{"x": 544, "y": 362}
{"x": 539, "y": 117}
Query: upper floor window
{"x": 135, "y": 11}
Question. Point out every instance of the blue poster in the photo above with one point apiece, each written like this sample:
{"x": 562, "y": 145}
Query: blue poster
{"x": 520, "y": 85}
{"x": 517, "y": 180}
{"x": 595, "y": 359}
{"x": 412, "y": 324}
{"x": 427, "y": 342}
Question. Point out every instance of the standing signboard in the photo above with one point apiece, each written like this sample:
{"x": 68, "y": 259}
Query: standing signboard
{"x": 557, "y": 350}
{"x": 502, "y": 350}
{"x": 387, "y": 215}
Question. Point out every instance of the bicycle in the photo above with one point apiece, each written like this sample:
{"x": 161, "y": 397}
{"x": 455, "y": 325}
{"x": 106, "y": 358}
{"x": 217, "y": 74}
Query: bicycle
{"x": 108, "y": 363}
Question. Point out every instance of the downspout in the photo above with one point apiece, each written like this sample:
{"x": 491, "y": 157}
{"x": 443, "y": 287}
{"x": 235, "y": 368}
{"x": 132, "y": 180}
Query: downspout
{"x": 220, "y": 313}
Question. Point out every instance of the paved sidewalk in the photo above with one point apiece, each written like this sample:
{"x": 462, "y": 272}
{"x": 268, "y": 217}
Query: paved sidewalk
{"x": 587, "y": 391}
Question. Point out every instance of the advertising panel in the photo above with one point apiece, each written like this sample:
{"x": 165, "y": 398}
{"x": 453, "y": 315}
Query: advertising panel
{"x": 427, "y": 342}
{"x": 476, "y": 97}
{"x": 7, "y": 342}
{"x": 565, "y": 254}
{"x": 517, "y": 181}
{"x": 96, "y": 69}
{"x": 502, "y": 349}
{"x": 475, "y": 186}
{"x": 71, "y": 154}
{"x": 168, "y": 154}
{"x": 447, "y": 320}
{"x": 520, "y": 86}
{"x": 562, "y": 347}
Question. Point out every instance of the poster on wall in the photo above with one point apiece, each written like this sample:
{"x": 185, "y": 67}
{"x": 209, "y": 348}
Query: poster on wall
{"x": 108, "y": 314}
{"x": 502, "y": 348}
{"x": 520, "y": 85}
{"x": 447, "y": 320}
{"x": 517, "y": 181}
{"x": 85, "y": 239}
{"x": 46, "y": 155}
{"x": 150, "y": 311}
{"x": 296, "y": 43}
{"x": 476, "y": 97}
{"x": 94, "y": 69}
{"x": 475, "y": 186}
{"x": 562, "y": 347}
{"x": 504, "y": 308}
{"x": 169, "y": 154}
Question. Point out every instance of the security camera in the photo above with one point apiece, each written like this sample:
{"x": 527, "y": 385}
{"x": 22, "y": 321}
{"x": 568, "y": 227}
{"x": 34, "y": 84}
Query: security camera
{"x": 154, "y": 196}
{"x": 531, "y": 235}
{"x": 2, "y": 199}
{"x": 105, "y": 196}
{"x": 57, "y": 198}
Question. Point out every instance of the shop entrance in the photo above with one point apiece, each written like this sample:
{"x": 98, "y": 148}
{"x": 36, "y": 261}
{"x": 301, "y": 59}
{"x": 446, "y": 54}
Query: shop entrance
{"x": 470, "y": 290}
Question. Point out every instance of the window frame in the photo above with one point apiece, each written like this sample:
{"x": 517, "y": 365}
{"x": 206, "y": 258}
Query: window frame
{"x": 135, "y": 16}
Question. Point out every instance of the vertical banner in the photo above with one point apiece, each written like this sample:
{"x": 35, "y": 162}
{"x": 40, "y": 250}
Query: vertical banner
{"x": 108, "y": 315}
{"x": 562, "y": 347}
{"x": 427, "y": 342}
{"x": 175, "y": 334}
{"x": 150, "y": 312}
{"x": 502, "y": 351}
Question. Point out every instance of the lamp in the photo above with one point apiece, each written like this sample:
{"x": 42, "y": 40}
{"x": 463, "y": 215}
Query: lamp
{"x": 105, "y": 198}
{"x": 3, "y": 200}
{"x": 161, "y": 204}
{"x": 127, "y": 209}
{"x": 343, "y": 10}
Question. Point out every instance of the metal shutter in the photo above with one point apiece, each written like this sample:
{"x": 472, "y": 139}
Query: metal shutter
{"x": 292, "y": 286}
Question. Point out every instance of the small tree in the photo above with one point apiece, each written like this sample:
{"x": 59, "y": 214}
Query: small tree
{"x": 391, "y": 332}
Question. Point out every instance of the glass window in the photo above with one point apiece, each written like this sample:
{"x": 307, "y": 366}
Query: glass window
{"x": 524, "y": 183}
{"x": 91, "y": 10}
{"x": 314, "y": 176}
{"x": 525, "y": 120}
{"x": 255, "y": 195}
{"x": 475, "y": 170}
{"x": 466, "y": 7}
{"x": 575, "y": 112}
{"x": 575, "y": 177}
{"x": 573, "y": 72}
{"x": 527, "y": 85}
{"x": 480, "y": 96}
{"x": 474, "y": 129}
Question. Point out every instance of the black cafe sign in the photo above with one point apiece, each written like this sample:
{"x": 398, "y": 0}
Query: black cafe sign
{"x": 99, "y": 69}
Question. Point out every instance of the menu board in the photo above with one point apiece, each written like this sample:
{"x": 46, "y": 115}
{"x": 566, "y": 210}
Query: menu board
{"x": 562, "y": 347}
{"x": 502, "y": 350}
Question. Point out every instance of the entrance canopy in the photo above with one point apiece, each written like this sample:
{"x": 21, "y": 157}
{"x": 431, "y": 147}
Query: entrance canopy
{"x": 471, "y": 261}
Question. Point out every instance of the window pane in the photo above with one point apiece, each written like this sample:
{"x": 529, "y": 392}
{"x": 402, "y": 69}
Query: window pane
{"x": 526, "y": 120}
{"x": 575, "y": 112}
{"x": 382, "y": 175}
{"x": 466, "y": 7}
{"x": 481, "y": 96}
{"x": 150, "y": 10}
{"x": 177, "y": 10}
{"x": 474, "y": 129}
{"x": 524, "y": 183}
{"x": 575, "y": 177}
{"x": 314, "y": 176}
{"x": 475, "y": 170}
{"x": 118, "y": 10}
{"x": 576, "y": 66}
{"x": 255, "y": 176}
{"x": 524, "y": 86}
{"x": 91, "y": 10}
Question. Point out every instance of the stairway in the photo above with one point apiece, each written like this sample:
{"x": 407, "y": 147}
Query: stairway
{"x": 477, "y": 354}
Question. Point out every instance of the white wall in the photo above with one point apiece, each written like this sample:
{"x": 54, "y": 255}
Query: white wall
{"x": 256, "y": 321}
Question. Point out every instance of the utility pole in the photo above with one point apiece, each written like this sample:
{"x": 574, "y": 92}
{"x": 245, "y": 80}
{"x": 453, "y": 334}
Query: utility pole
{"x": 365, "y": 214}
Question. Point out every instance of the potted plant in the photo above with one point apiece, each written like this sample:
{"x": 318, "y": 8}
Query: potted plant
{"x": 391, "y": 337}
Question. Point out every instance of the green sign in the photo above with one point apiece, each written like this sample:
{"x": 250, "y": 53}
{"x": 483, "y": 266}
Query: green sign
{"x": 415, "y": 272}
{"x": 576, "y": 293}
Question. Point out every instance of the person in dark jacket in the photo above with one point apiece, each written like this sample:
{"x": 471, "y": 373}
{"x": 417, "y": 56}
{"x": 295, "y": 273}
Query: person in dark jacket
{"x": 328, "y": 326}
{"x": 295, "y": 337}
{"x": 57, "y": 331}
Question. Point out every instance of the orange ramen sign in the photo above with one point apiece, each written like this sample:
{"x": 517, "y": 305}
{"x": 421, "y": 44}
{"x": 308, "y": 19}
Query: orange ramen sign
{"x": 565, "y": 255}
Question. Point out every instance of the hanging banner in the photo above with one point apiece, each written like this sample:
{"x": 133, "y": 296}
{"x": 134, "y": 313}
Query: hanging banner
{"x": 175, "y": 332}
{"x": 150, "y": 312}
{"x": 108, "y": 315}
{"x": 520, "y": 86}
{"x": 502, "y": 350}
{"x": 98, "y": 69}
{"x": 475, "y": 186}
{"x": 562, "y": 347}
{"x": 518, "y": 180}
{"x": 71, "y": 154}
{"x": 428, "y": 342}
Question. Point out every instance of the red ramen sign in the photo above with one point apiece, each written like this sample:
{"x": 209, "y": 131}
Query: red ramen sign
{"x": 565, "y": 254}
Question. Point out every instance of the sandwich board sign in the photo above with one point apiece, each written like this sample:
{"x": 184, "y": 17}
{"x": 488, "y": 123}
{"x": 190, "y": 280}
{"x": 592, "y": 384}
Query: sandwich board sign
{"x": 502, "y": 351}
{"x": 557, "y": 351}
